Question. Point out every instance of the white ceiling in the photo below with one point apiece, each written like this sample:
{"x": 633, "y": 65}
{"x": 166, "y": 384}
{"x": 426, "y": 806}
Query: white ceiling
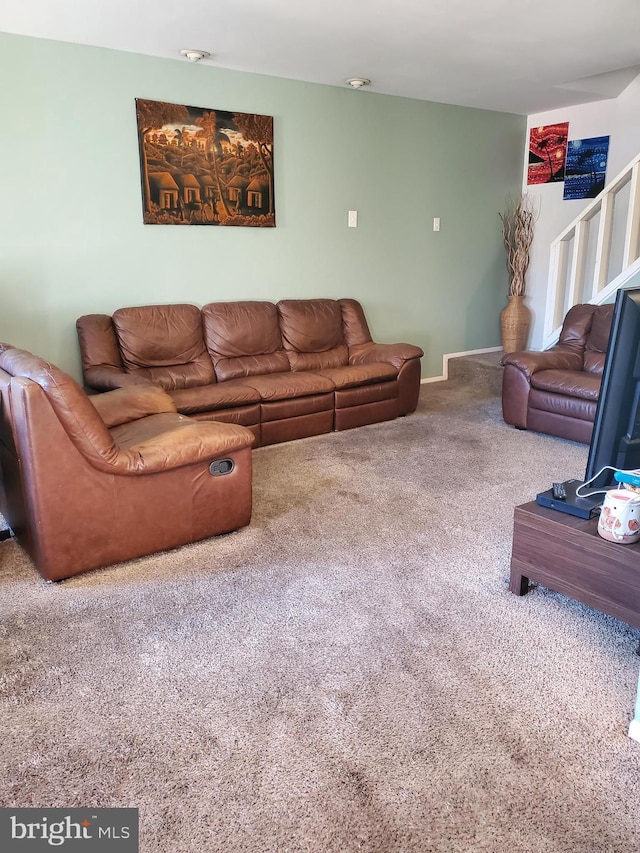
{"x": 520, "y": 56}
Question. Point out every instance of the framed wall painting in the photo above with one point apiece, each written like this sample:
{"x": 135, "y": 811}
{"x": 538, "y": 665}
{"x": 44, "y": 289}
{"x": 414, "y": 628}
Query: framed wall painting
{"x": 547, "y": 153}
{"x": 201, "y": 166}
{"x": 586, "y": 167}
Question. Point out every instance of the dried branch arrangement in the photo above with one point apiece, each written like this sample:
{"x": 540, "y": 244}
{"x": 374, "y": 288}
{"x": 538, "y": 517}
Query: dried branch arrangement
{"x": 518, "y": 220}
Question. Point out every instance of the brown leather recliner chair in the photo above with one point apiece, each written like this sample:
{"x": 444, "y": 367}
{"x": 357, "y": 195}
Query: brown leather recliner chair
{"x": 556, "y": 391}
{"x": 87, "y": 482}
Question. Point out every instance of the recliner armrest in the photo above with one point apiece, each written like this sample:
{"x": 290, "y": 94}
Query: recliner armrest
{"x": 394, "y": 354}
{"x": 178, "y": 441}
{"x": 124, "y": 405}
{"x": 556, "y": 358}
{"x": 104, "y": 377}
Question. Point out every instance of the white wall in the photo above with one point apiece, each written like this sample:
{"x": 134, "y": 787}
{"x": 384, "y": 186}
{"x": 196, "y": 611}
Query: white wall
{"x": 618, "y": 118}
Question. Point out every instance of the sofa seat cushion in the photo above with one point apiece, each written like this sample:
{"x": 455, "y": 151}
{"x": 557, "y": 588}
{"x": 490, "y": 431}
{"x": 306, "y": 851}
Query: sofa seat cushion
{"x": 223, "y": 395}
{"x": 283, "y": 386}
{"x": 352, "y": 376}
{"x": 164, "y": 343}
{"x": 571, "y": 383}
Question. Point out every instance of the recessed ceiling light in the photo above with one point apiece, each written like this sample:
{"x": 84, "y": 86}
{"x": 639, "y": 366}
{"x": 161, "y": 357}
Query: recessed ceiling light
{"x": 357, "y": 82}
{"x": 195, "y": 55}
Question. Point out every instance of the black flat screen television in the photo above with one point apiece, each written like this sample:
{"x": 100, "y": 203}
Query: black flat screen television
{"x": 616, "y": 430}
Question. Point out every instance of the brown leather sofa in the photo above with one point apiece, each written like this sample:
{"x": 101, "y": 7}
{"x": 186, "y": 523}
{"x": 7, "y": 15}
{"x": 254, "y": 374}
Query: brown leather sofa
{"x": 289, "y": 370}
{"x": 87, "y": 482}
{"x": 556, "y": 391}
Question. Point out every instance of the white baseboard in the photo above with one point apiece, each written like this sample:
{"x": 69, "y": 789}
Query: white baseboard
{"x": 445, "y": 362}
{"x": 634, "y": 730}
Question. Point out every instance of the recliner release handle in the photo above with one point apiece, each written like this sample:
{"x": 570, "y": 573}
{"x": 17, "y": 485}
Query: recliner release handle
{"x": 221, "y": 466}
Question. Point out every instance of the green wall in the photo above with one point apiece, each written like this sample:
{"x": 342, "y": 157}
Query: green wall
{"x": 72, "y": 239}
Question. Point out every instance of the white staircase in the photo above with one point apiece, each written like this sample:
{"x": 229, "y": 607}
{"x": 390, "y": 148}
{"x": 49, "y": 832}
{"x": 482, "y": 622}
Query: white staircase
{"x": 598, "y": 252}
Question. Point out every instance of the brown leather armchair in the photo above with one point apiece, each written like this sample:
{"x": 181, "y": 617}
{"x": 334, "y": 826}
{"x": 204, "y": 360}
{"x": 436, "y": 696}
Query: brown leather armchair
{"x": 556, "y": 391}
{"x": 91, "y": 481}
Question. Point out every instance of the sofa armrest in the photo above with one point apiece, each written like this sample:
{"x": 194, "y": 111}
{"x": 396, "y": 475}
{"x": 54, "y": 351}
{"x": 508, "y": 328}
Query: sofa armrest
{"x": 124, "y": 405}
{"x": 556, "y": 358}
{"x": 394, "y": 354}
{"x": 104, "y": 377}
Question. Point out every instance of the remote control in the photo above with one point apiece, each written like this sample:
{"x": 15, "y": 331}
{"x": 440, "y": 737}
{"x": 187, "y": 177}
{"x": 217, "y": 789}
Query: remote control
{"x": 559, "y": 491}
{"x": 632, "y": 478}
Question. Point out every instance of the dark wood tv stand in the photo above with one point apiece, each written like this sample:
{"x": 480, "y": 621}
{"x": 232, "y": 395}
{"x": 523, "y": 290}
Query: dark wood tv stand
{"x": 565, "y": 553}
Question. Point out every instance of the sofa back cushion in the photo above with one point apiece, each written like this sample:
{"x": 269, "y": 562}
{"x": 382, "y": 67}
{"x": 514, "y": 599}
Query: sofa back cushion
{"x": 576, "y": 327}
{"x": 165, "y": 344}
{"x": 356, "y": 328}
{"x": 312, "y": 333}
{"x": 98, "y": 342}
{"x": 243, "y": 339}
{"x": 586, "y": 330}
{"x": 81, "y": 421}
{"x": 598, "y": 340}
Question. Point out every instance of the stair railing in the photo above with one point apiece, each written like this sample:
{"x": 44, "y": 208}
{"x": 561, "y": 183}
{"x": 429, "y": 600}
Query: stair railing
{"x": 588, "y": 265}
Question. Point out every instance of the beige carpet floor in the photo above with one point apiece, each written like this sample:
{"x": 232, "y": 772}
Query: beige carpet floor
{"x": 349, "y": 673}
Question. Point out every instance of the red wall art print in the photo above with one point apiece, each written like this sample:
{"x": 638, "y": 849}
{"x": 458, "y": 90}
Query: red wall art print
{"x": 547, "y": 153}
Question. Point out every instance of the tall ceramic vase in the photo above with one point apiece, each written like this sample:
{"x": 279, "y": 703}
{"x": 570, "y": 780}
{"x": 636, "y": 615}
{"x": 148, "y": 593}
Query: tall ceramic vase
{"x": 515, "y": 320}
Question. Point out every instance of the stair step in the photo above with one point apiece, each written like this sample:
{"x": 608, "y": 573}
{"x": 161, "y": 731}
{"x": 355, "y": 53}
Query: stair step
{"x": 482, "y": 369}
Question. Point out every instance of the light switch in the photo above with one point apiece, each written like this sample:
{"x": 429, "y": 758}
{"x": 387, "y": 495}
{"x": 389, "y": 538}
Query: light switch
{"x": 436, "y": 223}
{"x": 353, "y": 219}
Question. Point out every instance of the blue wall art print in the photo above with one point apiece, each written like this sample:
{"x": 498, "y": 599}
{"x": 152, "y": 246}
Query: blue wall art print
{"x": 585, "y": 167}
